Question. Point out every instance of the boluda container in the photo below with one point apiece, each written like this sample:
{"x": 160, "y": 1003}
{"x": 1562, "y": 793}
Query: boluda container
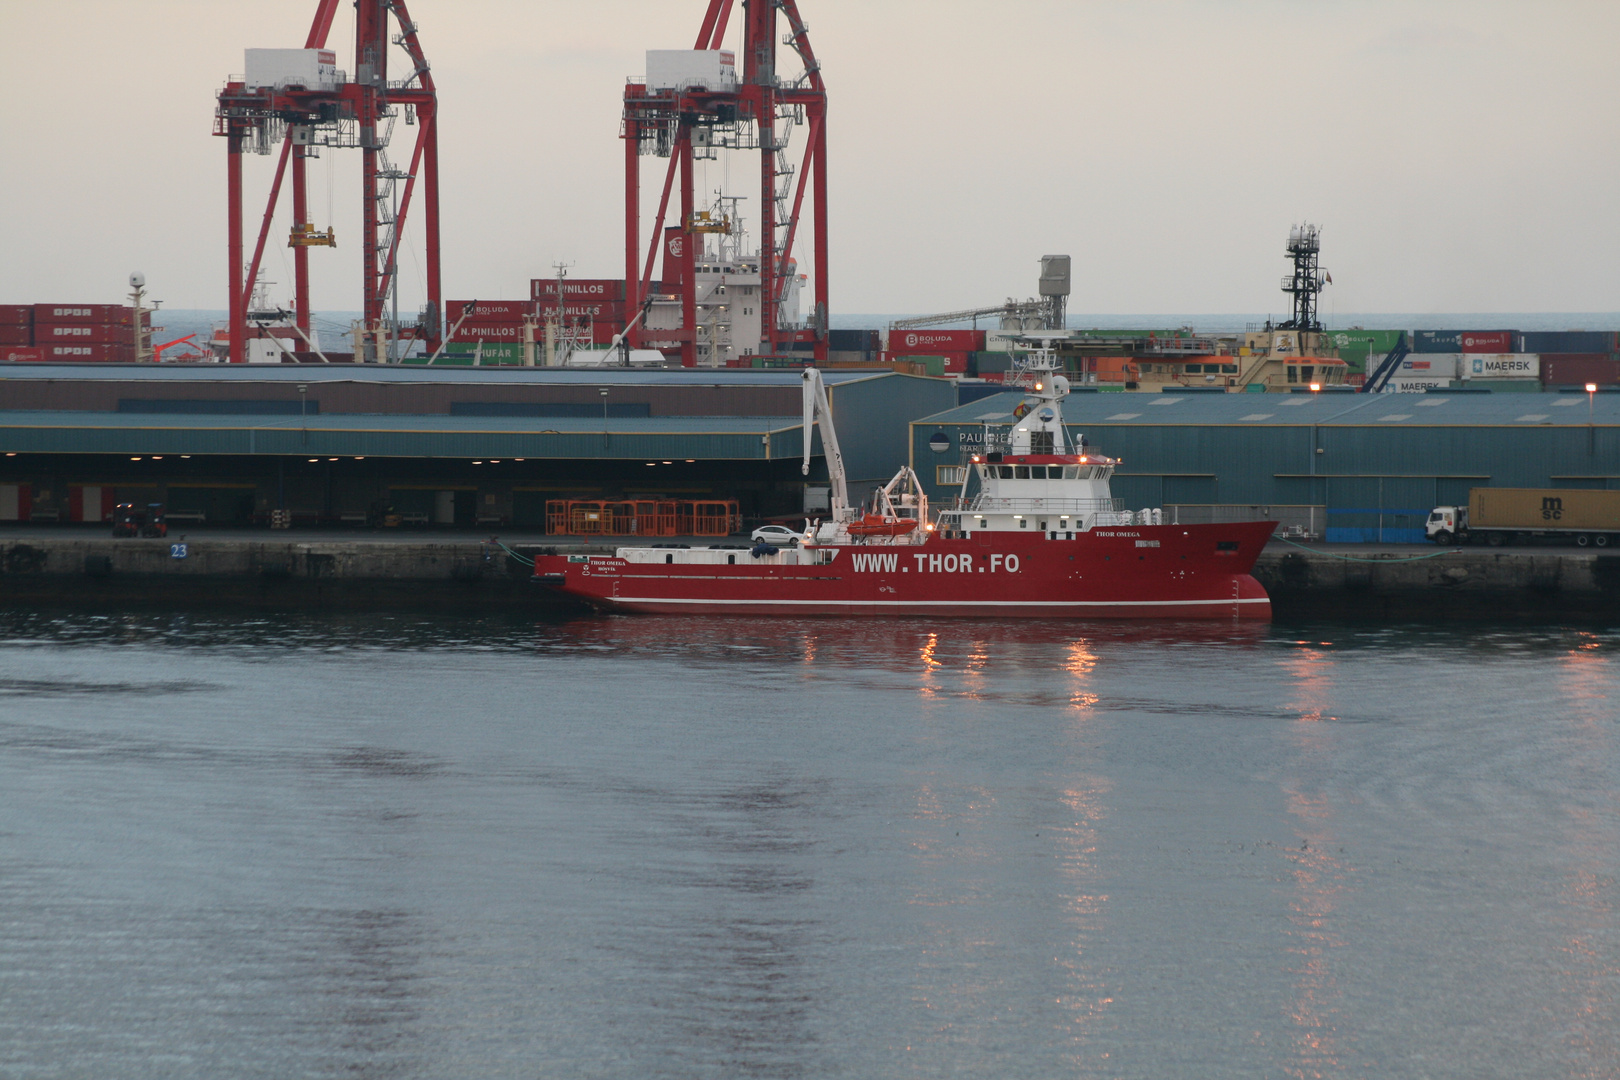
{"x": 21, "y": 354}
{"x": 489, "y": 311}
{"x": 1501, "y": 366}
{"x": 934, "y": 342}
{"x": 1485, "y": 341}
{"x": 1575, "y": 369}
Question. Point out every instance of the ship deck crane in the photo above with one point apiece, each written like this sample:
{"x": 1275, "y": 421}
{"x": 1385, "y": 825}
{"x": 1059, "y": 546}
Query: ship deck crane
{"x": 817, "y": 408}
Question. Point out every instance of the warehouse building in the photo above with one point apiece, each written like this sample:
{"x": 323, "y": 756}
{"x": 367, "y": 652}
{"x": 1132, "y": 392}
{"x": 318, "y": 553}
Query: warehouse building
{"x": 1345, "y": 467}
{"x": 463, "y": 446}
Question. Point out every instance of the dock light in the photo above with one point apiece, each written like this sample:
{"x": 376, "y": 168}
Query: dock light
{"x": 157, "y": 457}
{"x": 517, "y": 459}
{"x": 478, "y": 463}
{"x": 669, "y": 463}
{"x": 312, "y": 460}
{"x": 134, "y": 459}
{"x": 1591, "y": 388}
{"x": 331, "y": 459}
{"x": 1316, "y": 387}
{"x": 494, "y": 461}
{"x": 11, "y": 453}
{"x": 690, "y": 460}
{"x": 362, "y": 457}
{"x": 651, "y": 464}
{"x": 185, "y": 457}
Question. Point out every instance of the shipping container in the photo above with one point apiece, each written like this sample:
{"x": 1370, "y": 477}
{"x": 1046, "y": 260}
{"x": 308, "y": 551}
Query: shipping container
{"x": 1364, "y": 341}
{"x": 312, "y": 69}
{"x": 913, "y": 342}
{"x": 1567, "y": 341}
{"x": 853, "y": 340}
{"x": 610, "y": 290}
{"x": 83, "y": 334}
{"x": 1578, "y": 370}
{"x": 104, "y": 314}
{"x": 92, "y": 354}
{"x": 16, "y": 314}
{"x": 594, "y": 311}
{"x": 22, "y": 354}
{"x": 1415, "y": 384}
{"x": 11, "y": 334}
{"x": 1436, "y": 341}
{"x": 1543, "y": 508}
{"x": 489, "y": 311}
{"x": 1431, "y": 365}
{"x": 1501, "y": 366}
{"x": 481, "y": 331}
{"x": 1486, "y": 341}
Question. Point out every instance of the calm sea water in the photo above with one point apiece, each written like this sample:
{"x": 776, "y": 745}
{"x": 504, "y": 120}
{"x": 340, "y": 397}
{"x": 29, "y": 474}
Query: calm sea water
{"x": 618, "y": 847}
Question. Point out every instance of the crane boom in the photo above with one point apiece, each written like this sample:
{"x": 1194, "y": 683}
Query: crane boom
{"x": 816, "y": 407}
{"x": 1020, "y": 309}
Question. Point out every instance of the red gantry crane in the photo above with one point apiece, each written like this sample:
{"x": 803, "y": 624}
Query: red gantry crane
{"x": 756, "y": 111}
{"x": 300, "y": 99}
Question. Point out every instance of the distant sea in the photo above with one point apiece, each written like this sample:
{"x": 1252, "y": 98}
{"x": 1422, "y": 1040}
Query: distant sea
{"x": 333, "y": 326}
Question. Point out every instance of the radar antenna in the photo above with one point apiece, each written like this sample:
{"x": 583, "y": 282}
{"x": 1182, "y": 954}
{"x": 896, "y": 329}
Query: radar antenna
{"x": 1304, "y": 245}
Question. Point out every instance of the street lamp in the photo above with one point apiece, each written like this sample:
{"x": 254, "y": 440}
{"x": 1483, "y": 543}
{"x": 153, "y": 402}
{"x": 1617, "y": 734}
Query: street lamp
{"x": 1591, "y": 431}
{"x": 604, "y": 392}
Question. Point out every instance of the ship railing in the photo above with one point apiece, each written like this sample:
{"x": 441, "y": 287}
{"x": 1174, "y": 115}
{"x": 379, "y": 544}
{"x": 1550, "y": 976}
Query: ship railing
{"x": 985, "y": 504}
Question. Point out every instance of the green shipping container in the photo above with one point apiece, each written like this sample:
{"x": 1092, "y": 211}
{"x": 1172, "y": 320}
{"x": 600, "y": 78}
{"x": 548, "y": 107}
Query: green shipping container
{"x": 1364, "y": 341}
{"x": 461, "y": 354}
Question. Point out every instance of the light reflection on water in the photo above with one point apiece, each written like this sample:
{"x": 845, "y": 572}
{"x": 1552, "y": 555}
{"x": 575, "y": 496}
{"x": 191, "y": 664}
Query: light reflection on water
{"x": 418, "y": 846}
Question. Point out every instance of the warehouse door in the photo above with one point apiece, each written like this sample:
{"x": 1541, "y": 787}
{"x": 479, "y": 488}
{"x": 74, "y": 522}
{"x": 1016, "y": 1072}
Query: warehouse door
{"x": 444, "y": 508}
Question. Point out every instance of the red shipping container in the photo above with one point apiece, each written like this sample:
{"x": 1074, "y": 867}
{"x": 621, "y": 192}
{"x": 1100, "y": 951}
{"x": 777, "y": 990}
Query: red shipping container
{"x": 489, "y": 311}
{"x": 21, "y": 354}
{"x": 1487, "y": 341}
{"x": 934, "y": 342}
{"x": 85, "y": 313}
{"x": 484, "y": 331}
{"x": 589, "y": 289}
{"x": 1578, "y": 369}
{"x": 956, "y": 363}
{"x": 94, "y": 354}
{"x": 16, "y": 314}
{"x": 83, "y": 334}
{"x": 11, "y": 334}
{"x": 595, "y": 311}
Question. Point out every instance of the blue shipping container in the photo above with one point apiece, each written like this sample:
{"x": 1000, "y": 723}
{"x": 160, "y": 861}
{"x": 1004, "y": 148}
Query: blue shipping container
{"x": 1568, "y": 341}
{"x": 1437, "y": 341}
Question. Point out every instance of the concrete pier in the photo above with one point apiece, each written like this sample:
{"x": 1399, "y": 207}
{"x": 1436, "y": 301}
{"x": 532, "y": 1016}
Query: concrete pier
{"x": 469, "y": 573}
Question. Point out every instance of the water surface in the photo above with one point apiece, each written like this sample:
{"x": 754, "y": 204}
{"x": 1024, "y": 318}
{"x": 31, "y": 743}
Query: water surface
{"x": 428, "y": 847}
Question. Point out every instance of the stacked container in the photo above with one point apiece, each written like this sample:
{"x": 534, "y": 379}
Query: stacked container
{"x": 103, "y": 333}
{"x": 953, "y": 346}
{"x": 1576, "y": 357}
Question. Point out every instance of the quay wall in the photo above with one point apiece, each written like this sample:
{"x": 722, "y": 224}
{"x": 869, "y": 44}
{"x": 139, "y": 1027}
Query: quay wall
{"x": 1461, "y": 584}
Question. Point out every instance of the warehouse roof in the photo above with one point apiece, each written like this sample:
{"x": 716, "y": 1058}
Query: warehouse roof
{"x": 348, "y": 434}
{"x": 1293, "y": 410}
{"x": 419, "y": 373}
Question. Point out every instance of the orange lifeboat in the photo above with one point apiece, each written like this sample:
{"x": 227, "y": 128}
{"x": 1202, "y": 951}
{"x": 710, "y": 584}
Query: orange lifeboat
{"x": 878, "y": 525}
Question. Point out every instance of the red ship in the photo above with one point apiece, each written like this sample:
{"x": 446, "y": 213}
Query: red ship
{"x": 1034, "y": 533}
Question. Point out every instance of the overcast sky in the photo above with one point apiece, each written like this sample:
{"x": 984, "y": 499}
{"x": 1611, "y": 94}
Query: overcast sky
{"x": 1460, "y": 157}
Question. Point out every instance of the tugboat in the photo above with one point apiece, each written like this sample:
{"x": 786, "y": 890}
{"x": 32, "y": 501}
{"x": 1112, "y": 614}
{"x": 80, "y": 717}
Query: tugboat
{"x": 1041, "y": 538}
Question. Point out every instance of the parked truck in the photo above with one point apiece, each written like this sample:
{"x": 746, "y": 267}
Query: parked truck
{"x": 1519, "y": 515}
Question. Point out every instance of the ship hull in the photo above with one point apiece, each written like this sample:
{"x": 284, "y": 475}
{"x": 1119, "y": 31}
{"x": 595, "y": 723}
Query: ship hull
{"x": 1128, "y": 572}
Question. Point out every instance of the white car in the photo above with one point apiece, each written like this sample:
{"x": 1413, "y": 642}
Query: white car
{"x": 777, "y": 534}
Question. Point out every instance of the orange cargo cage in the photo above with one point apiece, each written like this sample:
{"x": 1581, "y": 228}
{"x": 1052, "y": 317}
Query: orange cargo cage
{"x": 642, "y": 517}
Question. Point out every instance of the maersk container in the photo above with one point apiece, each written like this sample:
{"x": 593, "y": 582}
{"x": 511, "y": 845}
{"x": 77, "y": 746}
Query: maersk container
{"x": 1567, "y": 341}
{"x": 1501, "y": 366}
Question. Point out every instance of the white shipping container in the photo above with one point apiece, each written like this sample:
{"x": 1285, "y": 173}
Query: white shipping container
{"x": 1443, "y": 366}
{"x": 312, "y": 69}
{"x": 678, "y": 69}
{"x": 1502, "y": 366}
